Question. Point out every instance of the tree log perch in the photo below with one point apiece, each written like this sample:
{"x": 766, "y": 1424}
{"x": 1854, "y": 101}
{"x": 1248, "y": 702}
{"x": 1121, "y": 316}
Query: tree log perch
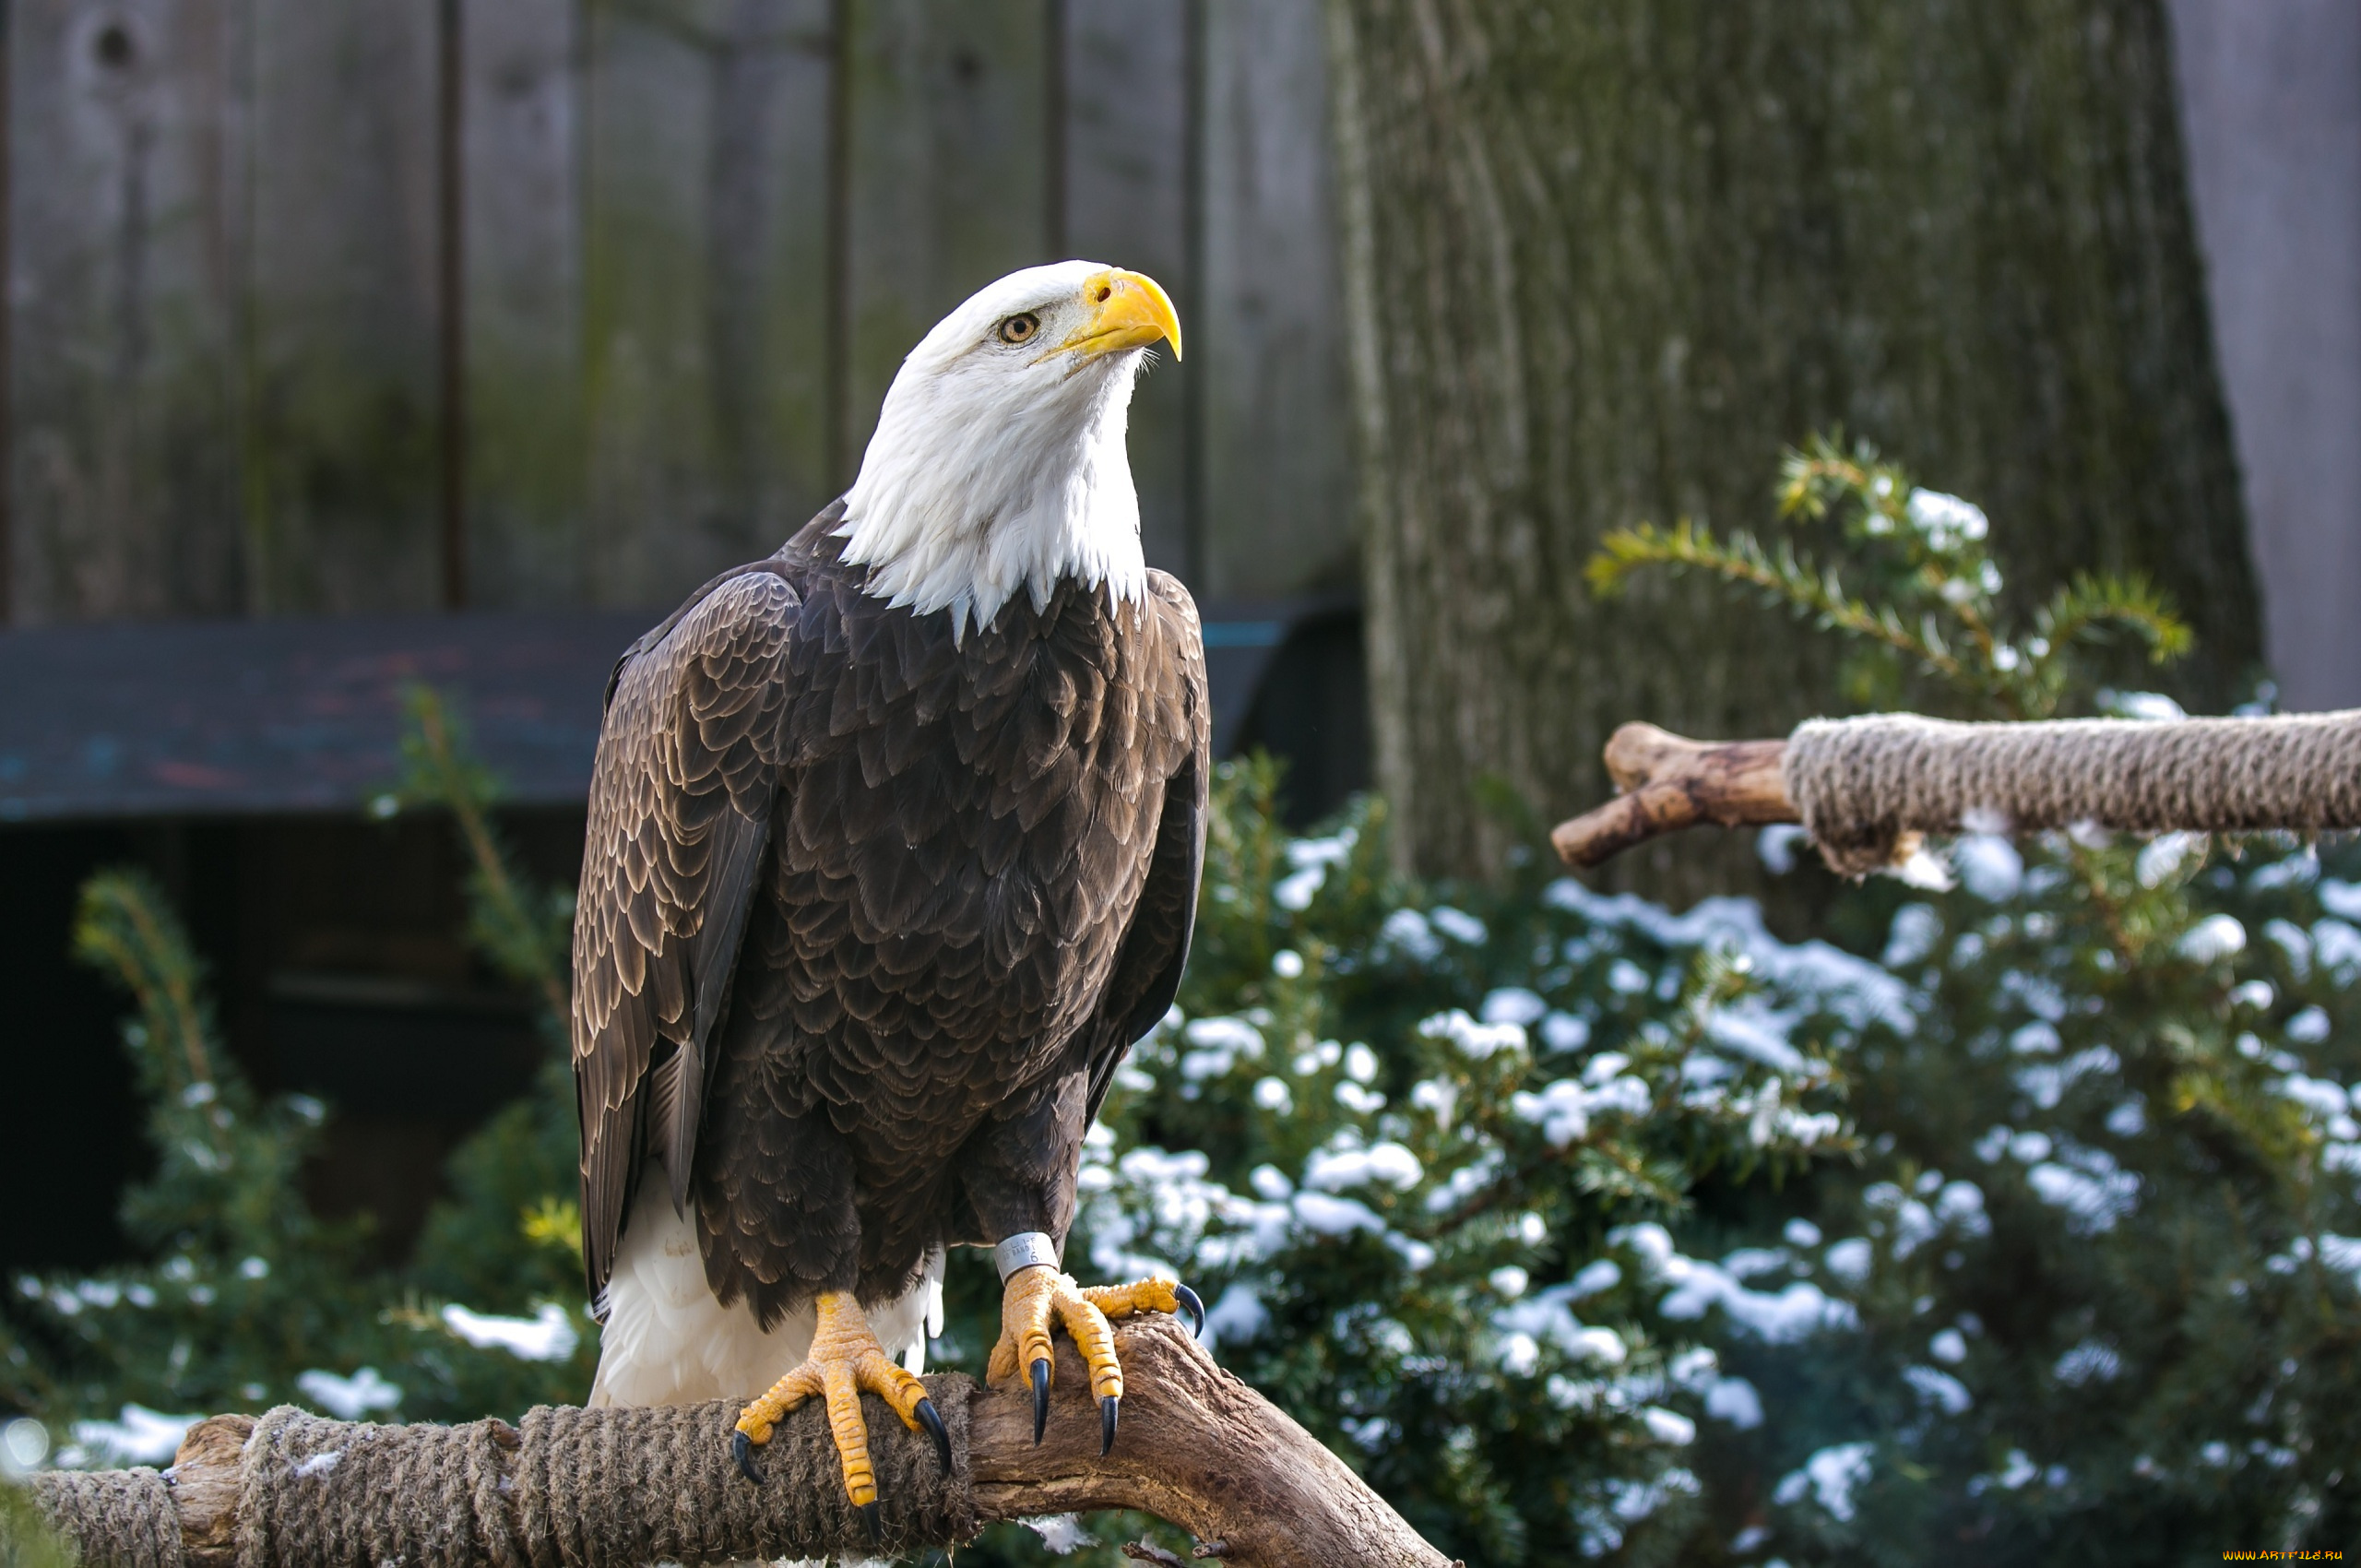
{"x": 619, "y": 1489}
{"x": 1864, "y": 788}
{"x": 1668, "y": 783}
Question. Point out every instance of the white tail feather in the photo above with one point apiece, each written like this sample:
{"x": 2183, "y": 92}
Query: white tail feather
{"x": 667, "y": 1341}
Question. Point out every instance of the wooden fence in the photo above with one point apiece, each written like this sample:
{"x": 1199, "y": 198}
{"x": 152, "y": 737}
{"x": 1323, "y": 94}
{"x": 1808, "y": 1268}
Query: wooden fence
{"x": 380, "y": 305}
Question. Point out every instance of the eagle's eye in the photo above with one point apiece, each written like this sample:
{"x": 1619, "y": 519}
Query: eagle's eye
{"x": 1018, "y": 328}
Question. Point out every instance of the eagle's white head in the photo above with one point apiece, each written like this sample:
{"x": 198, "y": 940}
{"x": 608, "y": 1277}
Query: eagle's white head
{"x": 999, "y": 461}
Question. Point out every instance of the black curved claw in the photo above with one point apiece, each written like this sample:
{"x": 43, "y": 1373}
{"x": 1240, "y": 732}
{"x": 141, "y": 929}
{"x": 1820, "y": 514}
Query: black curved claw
{"x": 1040, "y": 1400}
{"x": 868, "y": 1511}
{"x": 932, "y": 1421}
{"x": 741, "y": 1448}
{"x": 1106, "y": 1423}
{"x": 1193, "y": 1306}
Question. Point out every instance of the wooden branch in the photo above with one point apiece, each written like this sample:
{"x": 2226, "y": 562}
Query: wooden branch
{"x": 1202, "y": 1451}
{"x": 1197, "y": 1448}
{"x": 1666, "y": 783}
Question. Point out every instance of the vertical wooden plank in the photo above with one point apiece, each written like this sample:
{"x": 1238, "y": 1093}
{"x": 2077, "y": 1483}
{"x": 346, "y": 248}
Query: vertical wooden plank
{"x": 705, "y": 316}
{"x": 342, "y": 454}
{"x": 947, "y": 171}
{"x": 1277, "y": 517}
{"x": 450, "y": 300}
{"x": 523, "y": 221}
{"x": 121, "y": 290}
{"x": 1128, "y": 162}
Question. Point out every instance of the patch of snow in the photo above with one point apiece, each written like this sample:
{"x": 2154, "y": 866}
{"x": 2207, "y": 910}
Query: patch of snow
{"x": 2162, "y": 856}
{"x": 1815, "y": 973}
{"x": 1912, "y": 937}
{"x": 1563, "y": 1031}
{"x": 1940, "y": 1389}
{"x": 2153, "y": 706}
{"x": 1668, "y": 1426}
{"x": 1734, "y": 1400}
{"x": 137, "y": 1436}
{"x": 1407, "y": 931}
{"x": 2212, "y": 939}
{"x": 1796, "y": 1313}
{"x": 1477, "y": 1041}
{"x": 1512, "y": 1005}
{"x": 2336, "y": 947}
{"x": 1388, "y": 1163}
{"x": 1237, "y": 1317}
{"x": 1776, "y": 846}
{"x": 349, "y": 1398}
{"x": 1945, "y": 521}
{"x": 1831, "y": 1475}
{"x": 1848, "y": 1260}
{"x": 1988, "y": 866}
{"x": 2093, "y": 1203}
{"x": 2093, "y": 1360}
{"x": 1757, "y": 1032}
{"x": 2342, "y": 899}
{"x": 1457, "y": 924}
{"x": 548, "y": 1335}
{"x": 1326, "y": 1216}
{"x": 1061, "y": 1533}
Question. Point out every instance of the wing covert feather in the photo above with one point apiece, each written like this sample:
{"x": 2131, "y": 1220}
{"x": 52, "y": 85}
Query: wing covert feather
{"x": 680, "y": 802}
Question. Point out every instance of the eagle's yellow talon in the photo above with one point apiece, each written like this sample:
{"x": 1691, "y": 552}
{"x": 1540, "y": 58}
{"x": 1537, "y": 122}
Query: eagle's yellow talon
{"x": 845, "y": 1360}
{"x": 1039, "y": 1299}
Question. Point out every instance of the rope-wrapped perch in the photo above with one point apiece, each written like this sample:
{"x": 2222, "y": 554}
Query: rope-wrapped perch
{"x": 619, "y": 1489}
{"x": 1862, "y": 786}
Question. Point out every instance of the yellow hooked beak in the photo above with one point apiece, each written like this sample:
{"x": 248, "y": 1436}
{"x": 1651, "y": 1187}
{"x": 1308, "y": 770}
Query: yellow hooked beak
{"x": 1124, "y": 310}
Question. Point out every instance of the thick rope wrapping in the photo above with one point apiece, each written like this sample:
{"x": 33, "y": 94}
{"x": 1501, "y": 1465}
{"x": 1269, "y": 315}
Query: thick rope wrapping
{"x": 618, "y": 1488}
{"x": 572, "y": 1488}
{"x": 1862, "y": 785}
{"x": 119, "y": 1519}
{"x": 312, "y": 1490}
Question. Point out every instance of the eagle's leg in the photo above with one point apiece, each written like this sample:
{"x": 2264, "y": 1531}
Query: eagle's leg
{"x": 844, "y": 1359}
{"x": 1037, "y": 1298}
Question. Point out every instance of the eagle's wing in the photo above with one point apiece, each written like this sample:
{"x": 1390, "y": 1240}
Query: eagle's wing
{"x": 680, "y": 816}
{"x": 1156, "y": 945}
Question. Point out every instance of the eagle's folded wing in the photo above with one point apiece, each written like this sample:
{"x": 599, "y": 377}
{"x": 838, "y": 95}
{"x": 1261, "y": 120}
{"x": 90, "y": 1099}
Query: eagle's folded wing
{"x": 1156, "y": 945}
{"x": 680, "y": 816}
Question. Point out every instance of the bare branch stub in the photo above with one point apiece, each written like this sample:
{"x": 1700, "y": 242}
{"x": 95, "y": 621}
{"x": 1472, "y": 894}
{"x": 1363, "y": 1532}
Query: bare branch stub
{"x": 1669, "y": 783}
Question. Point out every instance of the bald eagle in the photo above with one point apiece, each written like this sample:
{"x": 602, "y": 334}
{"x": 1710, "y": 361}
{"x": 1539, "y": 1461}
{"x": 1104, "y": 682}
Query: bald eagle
{"x": 894, "y": 846}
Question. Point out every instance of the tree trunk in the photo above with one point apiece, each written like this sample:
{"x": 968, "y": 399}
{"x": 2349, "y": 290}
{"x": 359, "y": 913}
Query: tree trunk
{"x": 1605, "y": 258}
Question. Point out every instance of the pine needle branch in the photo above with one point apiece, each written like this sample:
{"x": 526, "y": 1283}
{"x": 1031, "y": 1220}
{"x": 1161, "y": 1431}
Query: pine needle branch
{"x": 523, "y": 935}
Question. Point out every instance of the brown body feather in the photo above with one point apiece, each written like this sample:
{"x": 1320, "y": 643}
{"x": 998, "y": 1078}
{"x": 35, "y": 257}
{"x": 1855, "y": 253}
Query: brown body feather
{"x": 868, "y": 916}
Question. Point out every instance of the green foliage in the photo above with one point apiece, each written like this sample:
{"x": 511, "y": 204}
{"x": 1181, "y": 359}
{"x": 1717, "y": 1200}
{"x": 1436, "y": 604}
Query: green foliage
{"x": 1410, "y": 1118}
{"x": 2098, "y": 1249}
{"x": 2135, "y": 1334}
{"x": 25, "y": 1540}
{"x": 1933, "y": 601}
{"x": 245, "y": 1300}
{"x": 527, "y": 932}
{"x": 509, "y": 1238}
